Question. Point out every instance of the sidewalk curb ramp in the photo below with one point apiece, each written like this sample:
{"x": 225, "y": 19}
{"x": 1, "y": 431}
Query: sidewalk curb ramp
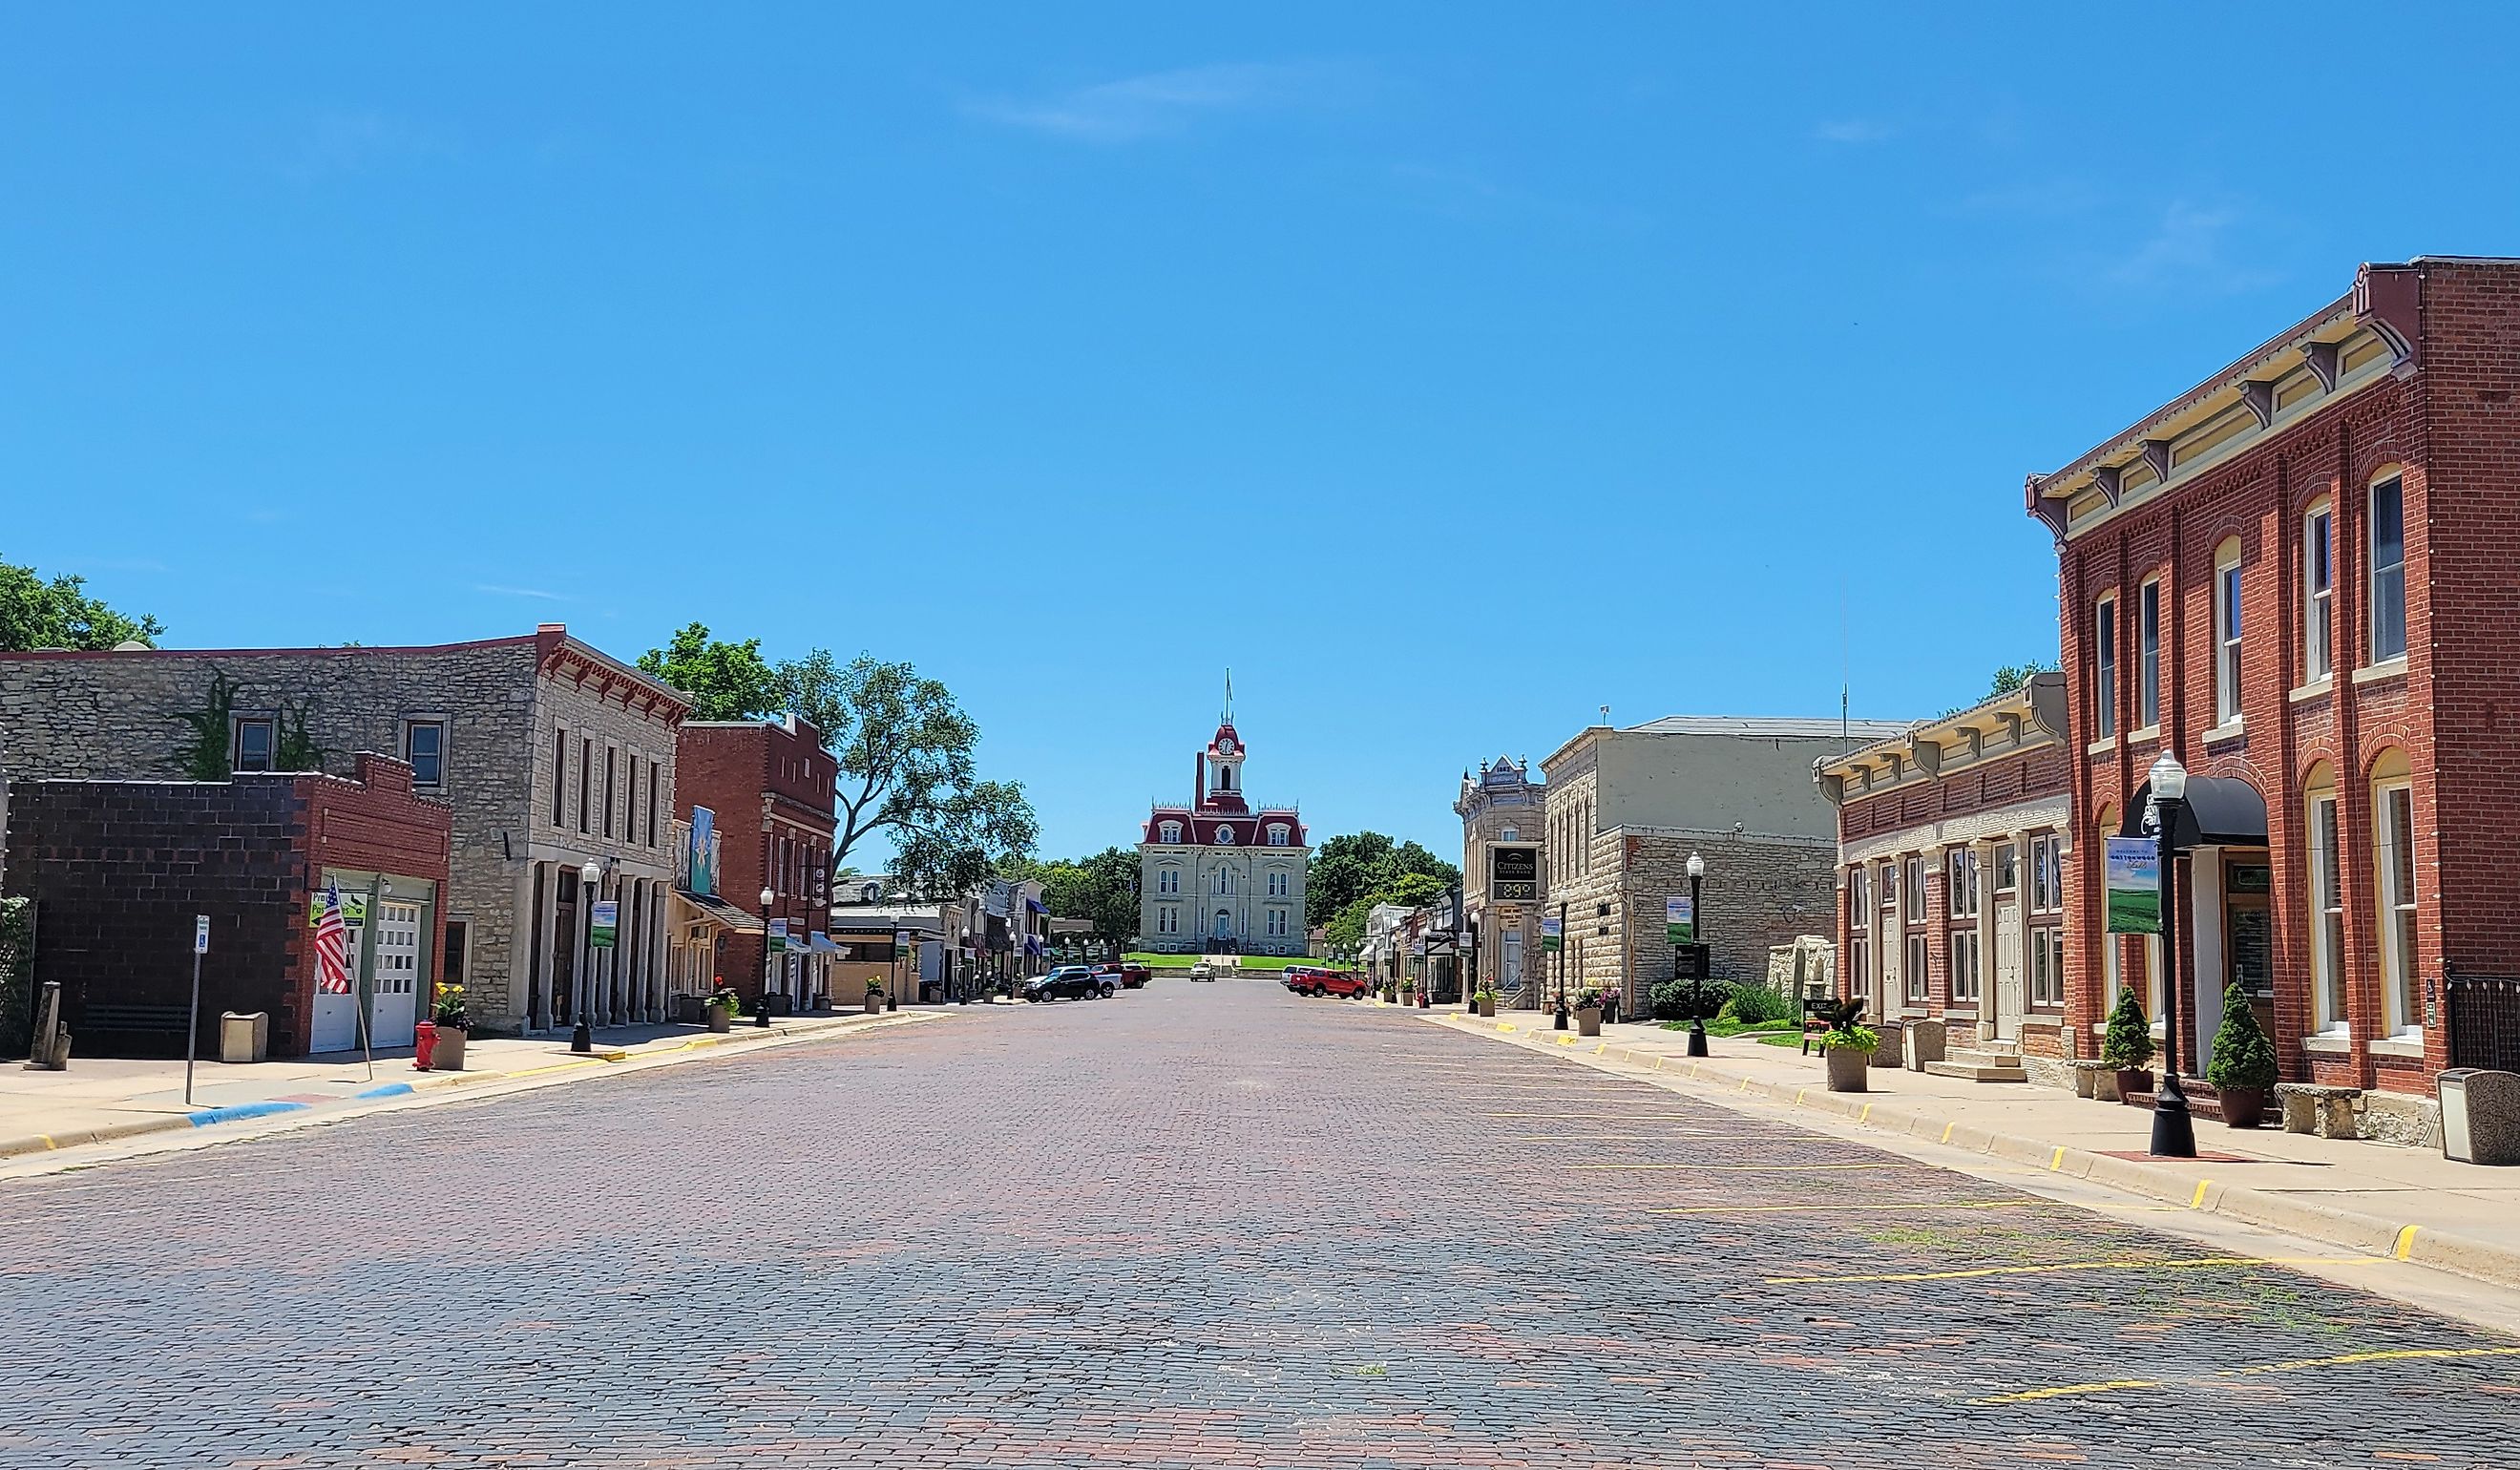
{"x": 427, "y": 1081}
{"x": 2422, "y": 1245}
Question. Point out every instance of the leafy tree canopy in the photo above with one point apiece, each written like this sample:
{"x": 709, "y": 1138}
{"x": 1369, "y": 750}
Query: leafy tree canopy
{"x": 1100, "y": 889}
{"x": 60, "y": 614}
{"x": 1349, "y": 868}
{"x": 2013, "y": 676}
{"x": 725, "y": 681}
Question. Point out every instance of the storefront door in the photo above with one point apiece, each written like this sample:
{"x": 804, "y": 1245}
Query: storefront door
{"x": 336, "y": 1016}
{"x": 2248, "y": 929}
{"x": 2005, "y": 1023}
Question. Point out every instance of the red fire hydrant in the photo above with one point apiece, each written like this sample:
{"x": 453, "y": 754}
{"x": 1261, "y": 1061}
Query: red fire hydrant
{"x": 423, "y": 1044}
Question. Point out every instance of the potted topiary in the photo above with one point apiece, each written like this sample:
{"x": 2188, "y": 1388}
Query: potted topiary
{"x": 1848, "y": 1049}
{"x": 724, "y": 1006}
{"x": 1487, "y": 999}
{"x": 454, "y": 1028}
{"x": 873, "y": 997}
{"x": 2243, "y": 1067}
{"x": 1588, "y": 1011}
{"x": 2126, "y": 1045}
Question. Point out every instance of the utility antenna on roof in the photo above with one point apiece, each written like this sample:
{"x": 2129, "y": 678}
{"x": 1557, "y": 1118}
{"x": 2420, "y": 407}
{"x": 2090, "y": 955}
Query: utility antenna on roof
{"x": 1845, "y": 673}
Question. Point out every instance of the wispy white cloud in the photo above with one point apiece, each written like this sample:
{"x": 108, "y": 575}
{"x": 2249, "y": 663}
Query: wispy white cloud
{"x": 536, "y": 593}
{"x": 2189, "y": 247}
{"x": 1164, "y": 101}
{"x": 2045, "y": 198}
{"x": 1854, "y": 130}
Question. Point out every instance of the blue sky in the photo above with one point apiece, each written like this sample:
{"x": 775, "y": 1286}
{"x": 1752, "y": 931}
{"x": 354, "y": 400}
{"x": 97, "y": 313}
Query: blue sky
{"x": 1446, "y": 371}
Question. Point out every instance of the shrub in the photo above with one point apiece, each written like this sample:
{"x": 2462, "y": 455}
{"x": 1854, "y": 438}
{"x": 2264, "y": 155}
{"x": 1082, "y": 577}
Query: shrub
{"x": 1589, "y": 999}
{"x": 2127, "y": 1043}
{"x": 1673, "y": 999}
{"x": 2244, "y": 1058}
{"x": 1850, "y": 1038}
{"x": 1753, "y": 1004}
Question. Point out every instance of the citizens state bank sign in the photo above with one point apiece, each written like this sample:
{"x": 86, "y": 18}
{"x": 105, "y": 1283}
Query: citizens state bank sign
{"x": 1513, "y": 873}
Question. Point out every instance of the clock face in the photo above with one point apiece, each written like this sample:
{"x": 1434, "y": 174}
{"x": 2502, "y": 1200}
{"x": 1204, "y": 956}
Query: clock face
{"x": 1225, "y": 835}
{"x": 1225, "y": 746}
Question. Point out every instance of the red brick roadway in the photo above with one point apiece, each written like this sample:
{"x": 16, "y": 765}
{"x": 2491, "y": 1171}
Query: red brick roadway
{"x": 1192, "y": 1226}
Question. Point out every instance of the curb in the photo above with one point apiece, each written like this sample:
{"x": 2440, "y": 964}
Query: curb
{"x": 108, "y": 1133}
{"x": 2419, "y": 1244}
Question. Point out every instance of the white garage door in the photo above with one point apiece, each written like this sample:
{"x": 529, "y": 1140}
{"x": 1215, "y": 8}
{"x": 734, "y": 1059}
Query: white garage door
{"x": 397, "y": 980}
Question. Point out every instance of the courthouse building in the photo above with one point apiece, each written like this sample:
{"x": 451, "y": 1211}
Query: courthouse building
{"x": 1219, "y": 875}
{"x": 2297, "y": 575}
{"x": 551, "y": 755}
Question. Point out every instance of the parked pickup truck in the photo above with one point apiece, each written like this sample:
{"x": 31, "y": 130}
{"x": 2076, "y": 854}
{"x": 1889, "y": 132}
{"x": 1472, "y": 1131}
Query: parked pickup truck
{"x": 1315, "y": 980}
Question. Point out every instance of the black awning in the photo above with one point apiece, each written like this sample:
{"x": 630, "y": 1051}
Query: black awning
{"x": 2221, "y": 811}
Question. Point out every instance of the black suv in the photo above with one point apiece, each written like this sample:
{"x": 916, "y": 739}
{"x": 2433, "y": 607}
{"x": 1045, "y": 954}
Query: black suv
{"x": 1069, "y": 982}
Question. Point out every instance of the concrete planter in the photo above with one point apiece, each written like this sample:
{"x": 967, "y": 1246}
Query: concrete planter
{"x": 721, "y": 1018}
{"x": 874, "y": 1006}
{"x": 1893, "y": 1051}
{"x": 2243, "y": 1107}
{"x": 1847, "y": 1068}
{"x": 1487, "y": 1008}
{"x": 1588, "y": 1021}
{"x": 448, "y": 1054}
{"x": 1926, "y": 1040}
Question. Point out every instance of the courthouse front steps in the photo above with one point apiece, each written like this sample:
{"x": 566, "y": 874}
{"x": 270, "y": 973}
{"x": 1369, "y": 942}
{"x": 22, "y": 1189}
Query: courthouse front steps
{"x": 1991, "y": 1062}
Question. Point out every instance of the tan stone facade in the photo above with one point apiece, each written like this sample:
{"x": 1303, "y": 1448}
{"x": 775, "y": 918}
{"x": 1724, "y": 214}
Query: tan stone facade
{"x": 1503, "y": 808}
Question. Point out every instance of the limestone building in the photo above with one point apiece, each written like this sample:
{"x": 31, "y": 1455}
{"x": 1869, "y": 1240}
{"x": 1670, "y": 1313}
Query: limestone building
{"x": 1503, "y": 888}
{"x": 1624, "y": 810}
{"x": 1219, "y": 875}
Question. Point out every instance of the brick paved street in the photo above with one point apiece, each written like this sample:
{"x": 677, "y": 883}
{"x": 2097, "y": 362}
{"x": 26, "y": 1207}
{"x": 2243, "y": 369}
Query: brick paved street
{"x": 1208, "y": 1225}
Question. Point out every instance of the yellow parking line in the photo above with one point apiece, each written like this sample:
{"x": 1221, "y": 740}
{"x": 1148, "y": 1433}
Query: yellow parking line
{"x": 2392, "y": 1354}
{"x": 1746, "y": 1168}
{"x": 1852, "y": 1209}
{"x": 2407, "y": 1242}
{"x": 2200, "y": 1262}
{"x": 2196, "y": 1201}
{"x": 2032, "y": 1396}
{"x": 1866, "y": 1115}
{"x": 1947, "y": 1130}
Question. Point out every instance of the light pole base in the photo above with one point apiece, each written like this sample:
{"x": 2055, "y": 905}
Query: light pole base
{"x": 2174, "y": 1130}
{"x": 1698, "y": 1038}
{"x": 1561, "y": 1023}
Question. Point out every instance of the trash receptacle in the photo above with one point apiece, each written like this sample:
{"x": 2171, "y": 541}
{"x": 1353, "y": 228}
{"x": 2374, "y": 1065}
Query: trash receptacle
{"x": 244, "y": 1036}
{"x": 1892, "y": 1053}
{"x": 2480, "y": 1113}
{"x": 1925, "y": 1041}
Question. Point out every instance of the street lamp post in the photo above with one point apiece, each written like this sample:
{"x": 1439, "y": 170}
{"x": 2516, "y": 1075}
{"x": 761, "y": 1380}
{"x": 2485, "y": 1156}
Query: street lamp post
{"x": 1469, "y": 938}
{"x": 2174, "y": 1131}
{"x": 581, "y": 989}
{"x": 1561, "y": 1023}
{"x": 761, "y": 1012}
{"x": 1697, "y": 983}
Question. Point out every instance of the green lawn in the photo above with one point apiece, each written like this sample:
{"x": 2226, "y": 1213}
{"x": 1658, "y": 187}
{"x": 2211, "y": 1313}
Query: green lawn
{"x": 1249, "y": 962}
{"x": 1773, "y": 1033}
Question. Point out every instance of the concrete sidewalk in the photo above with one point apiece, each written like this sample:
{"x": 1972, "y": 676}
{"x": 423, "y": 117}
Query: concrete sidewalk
{"x": 2407, "y": 1202}
{"x": 104, "y": 1098}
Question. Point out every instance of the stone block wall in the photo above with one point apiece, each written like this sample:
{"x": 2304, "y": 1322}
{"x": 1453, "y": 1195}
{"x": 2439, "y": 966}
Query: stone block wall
{"x": 1759, "y": 892}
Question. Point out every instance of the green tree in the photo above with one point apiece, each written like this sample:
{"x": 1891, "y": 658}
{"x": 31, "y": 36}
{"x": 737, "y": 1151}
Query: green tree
{"x": 2013, "y": 676}
{"x": 725, "y": 681}
{"x": 2244, "y": 1058}
{"x": 1101, "y": 890}
{"x": 1349, "y": 868}
{"x": 905, "y": 753}
{"x": 60, "y": 614}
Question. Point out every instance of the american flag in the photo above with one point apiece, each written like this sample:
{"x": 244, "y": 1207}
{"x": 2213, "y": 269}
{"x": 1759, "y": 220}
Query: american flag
{"x": 331, "y": 946}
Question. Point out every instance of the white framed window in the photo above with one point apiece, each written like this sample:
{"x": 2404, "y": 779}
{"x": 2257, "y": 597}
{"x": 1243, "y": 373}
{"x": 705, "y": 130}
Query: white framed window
{"x": 424, "y": 749}
{"x": 1277, "y": 923}
{"x": 2046, "y": 874}
{"x": 2326, "y": 906}
{"x": 1913, "y": 882}
{"x": 2007, "y": 868}
{"x": 1168, "y": 880}
{"x": 1889, "y": 888}
{"x": 1225, "y": 882}
{"x": 1169, "y": 831}
{"x": 1168, "y": 921}
{"x": 1961, "y": 880}
{"x": 1508, "y": 835}
{"x": 2048, "y": 967}
{"x": 1964, "y": 966}
{"x": 254, "y": 743}
{"x": 2318, "y": 591}
{"x": 2226, "y": 632}
{"x": 2104, "y": 666}
{"x": 1277, "y": 835}
{"x": 1277, "y": 883}
{"x": 2388, "y": 547}
{"x": 2148, "y": 646}
{"x": 2393, "y": 824}
{"x": 1859, "y": 913}
{"x": 1919, "y": 951}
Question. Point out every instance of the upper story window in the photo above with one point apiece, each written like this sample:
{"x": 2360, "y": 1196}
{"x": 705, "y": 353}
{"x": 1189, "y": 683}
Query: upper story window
{"x": 1962, "y": 879}
{"x": 651, "y": 803}
{"x": 2318, "y": 591}
{"x": 1508, "y": 835}
{"x": 424, "y": 746}
{"x": 1859, "y": 913}
{"x": 585, "y": 783}
{"x": 1278, "y": 883}
{"x": 2105, "y": 665}
{"x": 2007, "y": 868}
{"x": 1277, "y": 834}
{"x": 253, "y": 744}
{"x": 1169, "y": 831}
{"x": 2046, "y": 874}
{"x": 560, "y": 775}
{"x": 2226, "y": 632}
{"x": 1225, "y": 882}
{"x": 1915, "y": 882}
{"x": 2148, "y": 643}
{"x": 1889, "y": 887}
{"x": 2388, "y": 569}
{"x": 1168, "y": 880}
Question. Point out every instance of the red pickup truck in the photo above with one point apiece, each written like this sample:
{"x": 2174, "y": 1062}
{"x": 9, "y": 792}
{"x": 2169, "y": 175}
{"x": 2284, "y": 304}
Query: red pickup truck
{"x": 1131, "y": 974}
{"x": 1313, "y": 980}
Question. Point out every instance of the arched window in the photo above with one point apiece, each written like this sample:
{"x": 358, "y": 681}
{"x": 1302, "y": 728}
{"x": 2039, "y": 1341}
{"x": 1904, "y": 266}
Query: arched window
{"x": 2226, "y": 632}
{"x": 1170, "y": 832}
{"x": 2319, "y": 590}
{"x": 2393, "y": 841}
{"x": 1509, "y": 836}
{"x": 2327, "y": 900}
{"x": 2386, "y": 544}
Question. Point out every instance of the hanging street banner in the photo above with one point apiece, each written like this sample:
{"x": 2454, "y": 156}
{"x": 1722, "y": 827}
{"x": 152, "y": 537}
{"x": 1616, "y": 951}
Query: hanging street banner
{"x": 703, "y": 854}
{"x": 2134, "y": 869}
{"x": 603, "y": 924}
{"x": 1552, "y": 932}
{"x": 778, "y": 936}
{"x": 1679, "y": 918}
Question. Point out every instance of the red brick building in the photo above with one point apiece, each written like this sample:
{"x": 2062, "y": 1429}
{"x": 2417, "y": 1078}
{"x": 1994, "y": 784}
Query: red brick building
{"x": 768, "y": 787}
{"x": 2298, "y": 577}
{"x": 118, "y": 870}
{"x": 1952, "y": 841}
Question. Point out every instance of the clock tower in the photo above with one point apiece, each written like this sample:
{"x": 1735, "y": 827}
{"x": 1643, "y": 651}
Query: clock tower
{"x": 1220, "y": 875}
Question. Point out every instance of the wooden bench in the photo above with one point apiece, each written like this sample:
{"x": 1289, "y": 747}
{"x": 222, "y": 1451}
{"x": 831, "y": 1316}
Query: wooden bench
{"x": 2328, "y": 1112}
